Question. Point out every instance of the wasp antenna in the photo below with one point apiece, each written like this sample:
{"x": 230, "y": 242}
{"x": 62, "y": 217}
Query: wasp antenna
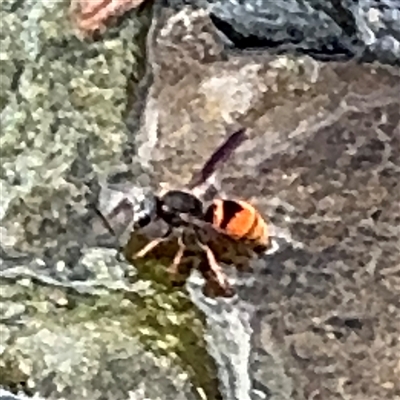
{"x": 104, "y": 221}
{"x": 220, "y": 155}
{"x": 120, "y": 249}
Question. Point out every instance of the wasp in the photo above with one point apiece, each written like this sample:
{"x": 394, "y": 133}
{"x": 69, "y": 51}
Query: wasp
{"x": 183, "y": 211}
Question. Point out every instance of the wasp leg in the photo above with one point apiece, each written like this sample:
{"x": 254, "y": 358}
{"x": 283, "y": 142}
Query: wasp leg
{"x": 215, "y": 267}
{"x": 150, "y": 246}
{"x": 173, "y": 268}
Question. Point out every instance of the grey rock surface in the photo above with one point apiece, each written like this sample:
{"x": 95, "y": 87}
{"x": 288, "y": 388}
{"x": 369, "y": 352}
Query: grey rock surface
{"x": 322, "y": 163}
{"x": 73, "y": 324}
{"x": 319, "y": 316}
{"x": 324, "y": 29}
{"x": 69, "y": 356}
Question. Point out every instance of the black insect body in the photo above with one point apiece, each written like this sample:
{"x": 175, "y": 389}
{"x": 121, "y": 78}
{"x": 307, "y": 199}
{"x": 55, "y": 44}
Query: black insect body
{"x": 183, "y": 211}
{"x": 175, "y": 205}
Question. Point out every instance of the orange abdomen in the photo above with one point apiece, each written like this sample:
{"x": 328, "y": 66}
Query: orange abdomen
{"x": 239, "y": 220}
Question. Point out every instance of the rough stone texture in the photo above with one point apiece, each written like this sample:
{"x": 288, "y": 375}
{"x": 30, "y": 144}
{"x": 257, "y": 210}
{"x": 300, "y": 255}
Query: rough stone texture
{"x": 325, "y": 29}
{"x": 333, "y": 306}
{"x": 92, "y": 351}
{"x": 73, "y": 325}
{"x": 94, "y": 15}
{"x": 322, "y": 163}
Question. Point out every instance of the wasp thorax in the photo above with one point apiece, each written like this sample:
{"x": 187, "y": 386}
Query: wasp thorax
{"x": 176, "y": 203}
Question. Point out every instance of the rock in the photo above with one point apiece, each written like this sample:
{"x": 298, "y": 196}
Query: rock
{"x": 63, "y": 121}
{"x": 322, "y": 164}
{"x": 6, "y": 395}
{"x": 378, "y": 27}
{"x": 64, "y": 136}
{"x": 322, "y": 29}
{"x": 92, "y": 15}
{"x": 333, "y": 306}
{"x": 83, "y": 353}
{"x": 317, "y": 318}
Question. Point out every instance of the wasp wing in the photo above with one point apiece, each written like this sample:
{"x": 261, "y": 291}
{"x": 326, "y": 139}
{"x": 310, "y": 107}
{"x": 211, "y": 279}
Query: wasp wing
{"x": 220, "y": 155}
